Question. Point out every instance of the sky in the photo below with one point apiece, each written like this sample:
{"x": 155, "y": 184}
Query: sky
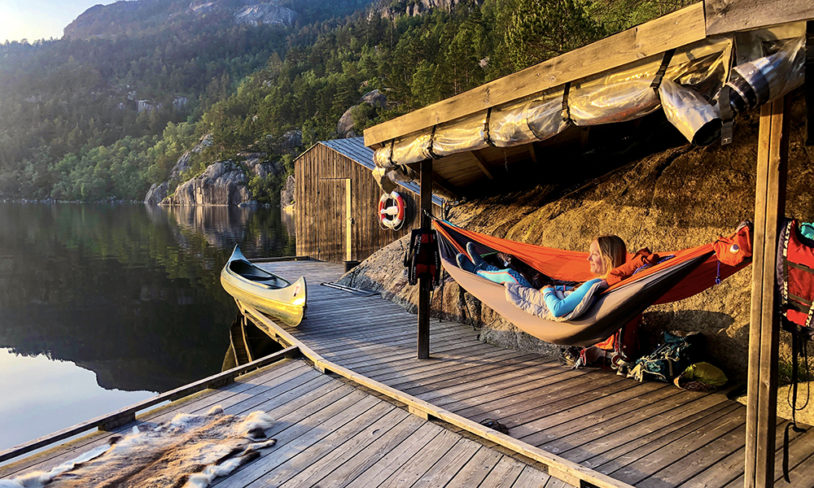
{"x": 39, "y": 19}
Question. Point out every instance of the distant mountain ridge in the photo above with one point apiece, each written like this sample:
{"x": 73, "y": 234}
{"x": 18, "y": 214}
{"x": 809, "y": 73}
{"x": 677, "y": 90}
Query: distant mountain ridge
{"x": 144, "y": 17}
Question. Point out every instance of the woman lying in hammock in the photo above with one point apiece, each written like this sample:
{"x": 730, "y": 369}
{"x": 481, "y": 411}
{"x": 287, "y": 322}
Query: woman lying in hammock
{"x": 605, "y": 253}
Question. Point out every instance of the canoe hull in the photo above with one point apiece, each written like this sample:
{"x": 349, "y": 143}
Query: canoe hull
{"x": 287, "y": 304}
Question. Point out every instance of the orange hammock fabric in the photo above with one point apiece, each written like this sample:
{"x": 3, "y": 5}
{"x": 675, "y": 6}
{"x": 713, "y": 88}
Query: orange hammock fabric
{"x": 563, "y": 265}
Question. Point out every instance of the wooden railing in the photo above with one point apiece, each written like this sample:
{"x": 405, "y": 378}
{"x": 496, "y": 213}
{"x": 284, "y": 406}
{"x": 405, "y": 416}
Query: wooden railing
{"x": 128, "y": 414}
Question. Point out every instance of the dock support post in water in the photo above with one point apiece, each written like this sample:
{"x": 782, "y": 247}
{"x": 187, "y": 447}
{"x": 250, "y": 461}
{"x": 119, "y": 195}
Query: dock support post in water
{"x": 770, "y": 200}
{"x": 425, "y": 282}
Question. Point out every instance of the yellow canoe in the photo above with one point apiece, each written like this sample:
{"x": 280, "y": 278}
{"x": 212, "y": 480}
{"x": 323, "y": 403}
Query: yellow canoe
{"x": 276, "y": 297}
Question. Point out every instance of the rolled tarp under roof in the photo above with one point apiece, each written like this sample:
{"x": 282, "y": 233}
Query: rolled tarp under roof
{"x": 696, "y": 85}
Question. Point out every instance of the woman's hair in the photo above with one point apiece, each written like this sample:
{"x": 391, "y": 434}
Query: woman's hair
{"x": 613, "y": 250}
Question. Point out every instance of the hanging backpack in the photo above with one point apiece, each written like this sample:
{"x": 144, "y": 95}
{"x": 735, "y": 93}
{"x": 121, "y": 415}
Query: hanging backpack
{"x": 795, "y": 286}
{"x": 423, "y": 258}
{"x": 795, "y": 279}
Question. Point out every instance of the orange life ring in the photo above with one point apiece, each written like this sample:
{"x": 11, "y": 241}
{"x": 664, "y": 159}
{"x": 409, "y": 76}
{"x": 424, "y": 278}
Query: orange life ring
{"x": 392, "y": 210}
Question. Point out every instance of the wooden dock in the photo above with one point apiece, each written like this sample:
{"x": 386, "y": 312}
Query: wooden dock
{"x": 332, "y": 433}
{"x": 343, "y": 411}
{"x": 643, "y": 434}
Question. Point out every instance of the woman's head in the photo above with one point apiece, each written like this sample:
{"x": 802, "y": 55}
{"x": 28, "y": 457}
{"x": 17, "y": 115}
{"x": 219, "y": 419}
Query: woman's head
{"x": 606, "y": 253}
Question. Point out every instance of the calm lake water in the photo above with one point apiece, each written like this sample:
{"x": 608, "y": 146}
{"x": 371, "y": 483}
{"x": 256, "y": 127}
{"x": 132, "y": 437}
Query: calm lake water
{"x": 103, "y": 306}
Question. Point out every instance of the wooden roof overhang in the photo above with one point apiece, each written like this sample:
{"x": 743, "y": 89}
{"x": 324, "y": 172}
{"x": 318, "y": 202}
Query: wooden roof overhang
{"x": 459, "y": 172}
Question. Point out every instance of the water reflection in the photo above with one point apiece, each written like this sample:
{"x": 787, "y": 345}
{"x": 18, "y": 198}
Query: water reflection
{"x": 130, "y": 293}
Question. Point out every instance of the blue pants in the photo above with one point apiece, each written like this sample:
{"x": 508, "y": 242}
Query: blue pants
{"x": 502, "y": 275}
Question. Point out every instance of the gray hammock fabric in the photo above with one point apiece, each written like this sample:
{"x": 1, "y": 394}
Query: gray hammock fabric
{"x": 606, "y": 314}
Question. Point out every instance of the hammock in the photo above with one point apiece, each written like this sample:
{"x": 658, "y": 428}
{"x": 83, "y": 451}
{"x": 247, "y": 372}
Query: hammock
{"x": 689, "y": 272}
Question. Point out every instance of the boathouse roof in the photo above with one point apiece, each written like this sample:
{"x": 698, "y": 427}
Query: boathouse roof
{"x": 354, "y": 149}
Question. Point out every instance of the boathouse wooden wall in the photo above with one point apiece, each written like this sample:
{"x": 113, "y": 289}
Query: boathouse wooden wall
{"x": 321, "y": 174}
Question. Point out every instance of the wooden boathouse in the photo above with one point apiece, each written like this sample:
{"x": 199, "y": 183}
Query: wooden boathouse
{"x": 337, "y": 203}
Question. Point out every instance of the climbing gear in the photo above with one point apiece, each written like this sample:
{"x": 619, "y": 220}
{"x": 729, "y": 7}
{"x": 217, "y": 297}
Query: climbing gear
{"x": 422, "y": 258}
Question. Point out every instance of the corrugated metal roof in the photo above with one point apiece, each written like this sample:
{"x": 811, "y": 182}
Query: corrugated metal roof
{"x": 354, "y": 148}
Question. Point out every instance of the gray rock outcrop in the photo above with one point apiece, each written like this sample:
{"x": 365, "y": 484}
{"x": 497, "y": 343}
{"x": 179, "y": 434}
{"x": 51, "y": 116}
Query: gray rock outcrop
{"x": 287, "y": 192}
{"x": 265, "y": 13}
{"x": 222, "y": 183}
{"x": 159, "y": 191}
{"x": 346, "y": 127}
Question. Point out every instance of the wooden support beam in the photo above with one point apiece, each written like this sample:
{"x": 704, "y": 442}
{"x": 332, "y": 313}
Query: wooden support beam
{"x": 348, "y": 221}
{"x": 481, "y": 163}
{"x": 770, "y": 197}
{"x": 724, "y": 16}
{"x": 533, "y": 152}
{"x": 425, "y": 282}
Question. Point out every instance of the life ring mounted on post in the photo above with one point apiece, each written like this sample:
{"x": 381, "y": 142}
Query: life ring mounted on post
{"x": 392, "y": 211}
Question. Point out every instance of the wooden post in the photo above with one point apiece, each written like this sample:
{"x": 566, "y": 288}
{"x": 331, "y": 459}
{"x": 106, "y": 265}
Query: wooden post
{"x": 770, "y": 198}
{"x": 425, "y": 282}
{"x": 348, "y": 221}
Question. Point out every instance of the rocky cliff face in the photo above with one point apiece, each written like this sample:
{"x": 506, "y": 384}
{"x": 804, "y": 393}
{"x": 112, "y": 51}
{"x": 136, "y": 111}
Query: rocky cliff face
{"x": 159, "y": 191}
{"x": 222, "y": 183}
{"x": 675, "y": 199}
{"x": 417, "y": 8}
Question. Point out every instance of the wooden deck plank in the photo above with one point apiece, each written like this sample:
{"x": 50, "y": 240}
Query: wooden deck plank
{"x": 503, "y": 474}
{"x": 695, "y": 461}
{"x": 472, "y": 373}
{"x": 396, "y": 455}
{"x": 302, "y": 428}
{"x": 533, "y": 381}
{"x": 801, "y": 445}
{"x": 476, "y": 470}
{"x": 448, "y": 346}
{"x": 626, "y": 455}
{"x": 601, "y": 450}
{"x": 531, "y": 478}
{"x": 418, "y": 465}
{"x": 617, "y": 425}
{"x": 395, "y": 346}
{"x": 448, "y": 465}
{"x": 592, "y": 415}
{"x": 426, "y": 371}
{"x": 298, "y": 455}
{"x": 569, "y": 409}
{"x": 357, "y": 454}
{"x": 513, "y": 406}
{"x": 678, "y": 448}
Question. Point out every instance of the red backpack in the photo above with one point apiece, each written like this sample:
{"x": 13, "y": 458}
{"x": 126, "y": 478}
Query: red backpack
{"x": 795, "y": 279}
{"x": 795, "y": 286}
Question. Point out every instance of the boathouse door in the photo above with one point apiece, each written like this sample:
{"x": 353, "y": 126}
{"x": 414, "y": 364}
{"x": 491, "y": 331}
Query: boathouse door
{"x": 336, "y": 222}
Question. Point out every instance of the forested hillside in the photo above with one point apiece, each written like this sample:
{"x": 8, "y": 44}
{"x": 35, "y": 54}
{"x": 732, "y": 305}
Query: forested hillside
{"x": 105, "y": 112}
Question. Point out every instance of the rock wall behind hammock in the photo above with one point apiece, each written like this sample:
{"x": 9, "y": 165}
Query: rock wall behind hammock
{"x": 677, "y": 198}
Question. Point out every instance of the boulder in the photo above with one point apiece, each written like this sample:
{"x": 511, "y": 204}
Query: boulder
{"x": 346, "y": 127}
{"x": 156, "y": 193}
{"x": 674, "y": 199}
{"x": 288, "y": 191}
